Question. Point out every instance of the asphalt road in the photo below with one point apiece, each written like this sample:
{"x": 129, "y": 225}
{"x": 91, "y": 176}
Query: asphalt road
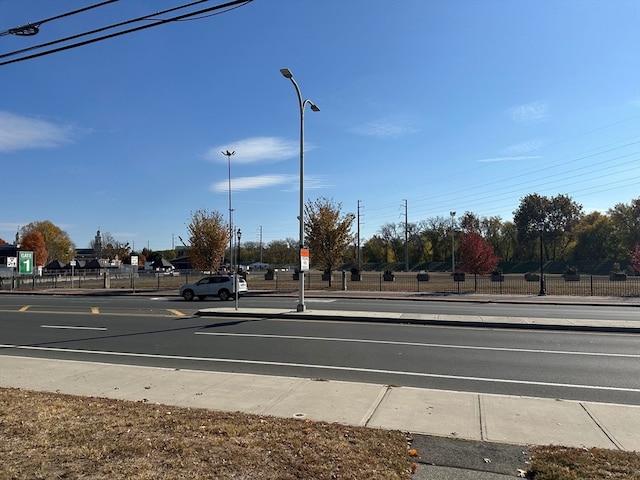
{"x": 162, "y": 332}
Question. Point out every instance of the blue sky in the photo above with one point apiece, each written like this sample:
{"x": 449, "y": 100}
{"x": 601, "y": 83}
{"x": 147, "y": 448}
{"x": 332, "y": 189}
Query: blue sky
{"x": 451, "y": 105}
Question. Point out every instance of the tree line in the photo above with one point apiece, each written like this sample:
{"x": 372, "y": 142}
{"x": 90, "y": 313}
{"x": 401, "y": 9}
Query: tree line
{"x": 557, "y": 223}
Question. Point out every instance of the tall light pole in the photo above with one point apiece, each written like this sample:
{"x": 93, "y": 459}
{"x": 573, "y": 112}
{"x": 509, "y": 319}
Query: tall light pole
{"x": 543, "y": 290}
{"x": 236, "y": 286}
{"x": 453, "y": 243}
{"x": 302, "y": 104}
{"x": 229, "y": 154}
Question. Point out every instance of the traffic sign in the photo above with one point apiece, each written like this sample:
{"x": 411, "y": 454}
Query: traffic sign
{"x": 25, "y": 263}
{"x": 304, "y": 259}
{"x": 12, "y": 262}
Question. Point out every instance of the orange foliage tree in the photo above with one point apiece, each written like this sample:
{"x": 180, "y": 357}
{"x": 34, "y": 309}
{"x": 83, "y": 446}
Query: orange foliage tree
{"x": 34, "y": 241}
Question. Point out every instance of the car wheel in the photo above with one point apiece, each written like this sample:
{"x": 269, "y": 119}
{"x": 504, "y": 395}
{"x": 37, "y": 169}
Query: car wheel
{"x": 187, "y": 295}
{"x": 224, "y": 295}
{"x": 201, "y": 297}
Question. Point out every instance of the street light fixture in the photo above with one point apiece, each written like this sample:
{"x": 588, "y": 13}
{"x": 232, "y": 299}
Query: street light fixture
{"x": 453, "y": 243}
{"x": 229, "y": 154}
{"x": 543, "y": 291}
{"x": 302, "y": 104}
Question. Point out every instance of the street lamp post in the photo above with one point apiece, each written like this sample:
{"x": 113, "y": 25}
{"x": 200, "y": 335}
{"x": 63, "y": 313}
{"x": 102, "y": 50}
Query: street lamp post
{"x": 229, "y": 154}
{"x": 238, "y": 247}
{"x": 543, "y": 291}
{"x": 302, "y": 104}
{"x": 453, "y": 243}
{"x": 236, "y": 280}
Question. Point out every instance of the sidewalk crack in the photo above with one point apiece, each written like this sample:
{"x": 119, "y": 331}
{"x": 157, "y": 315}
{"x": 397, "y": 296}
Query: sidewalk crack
{"x": 378, "y": 401}
{"x": 611, "y": 438}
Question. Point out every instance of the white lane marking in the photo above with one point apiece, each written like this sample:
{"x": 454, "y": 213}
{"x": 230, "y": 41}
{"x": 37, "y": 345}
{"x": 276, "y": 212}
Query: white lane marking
{"x": 323, "y": 367}
{"x": 72, "y": 327}
{"x": 418, "y": 344}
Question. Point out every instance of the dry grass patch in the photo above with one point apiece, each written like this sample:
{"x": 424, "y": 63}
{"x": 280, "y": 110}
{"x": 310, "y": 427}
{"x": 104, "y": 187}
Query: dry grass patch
{"x": 47, "y": 436}
{"x": 562, "y": 463}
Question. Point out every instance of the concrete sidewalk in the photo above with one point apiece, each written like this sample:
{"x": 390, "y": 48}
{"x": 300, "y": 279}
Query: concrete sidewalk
{"x": 480, "y": 417}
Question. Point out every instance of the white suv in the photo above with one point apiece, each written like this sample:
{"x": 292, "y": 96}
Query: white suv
{"x": 220, "y": 286}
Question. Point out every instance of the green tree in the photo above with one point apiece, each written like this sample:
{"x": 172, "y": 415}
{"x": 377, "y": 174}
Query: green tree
{"x": 392, "y": 236}
{"x": 208, "y": 236}
{"x": 596, "y": 238}
{"x": 328, "y": 231}
{"x": 58, "y": 244}
{"x": 558, "y": 214}
{"x": 34, "y": 241}
{"x": 626, "y": 222}
{"x": 281, "y": 252}
{"x": 374, "y": 250}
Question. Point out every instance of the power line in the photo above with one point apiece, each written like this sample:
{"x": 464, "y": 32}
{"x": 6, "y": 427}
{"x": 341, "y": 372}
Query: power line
{"x": 228, "y": 6}
{"x": 33, "y": 28}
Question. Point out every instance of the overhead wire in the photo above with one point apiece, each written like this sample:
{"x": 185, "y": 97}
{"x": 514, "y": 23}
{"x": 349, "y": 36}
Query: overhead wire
{"x": 98, "y": 30}
{"x": 228, "y": 6}
{"x": 34, "y": 27}
{"x": 589, "y": 172}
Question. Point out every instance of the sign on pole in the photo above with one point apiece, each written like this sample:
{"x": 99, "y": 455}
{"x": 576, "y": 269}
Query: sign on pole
{"x": 12, "y": 262}
{"x": 304, "y": 259}
{"x": 25, "y": 263}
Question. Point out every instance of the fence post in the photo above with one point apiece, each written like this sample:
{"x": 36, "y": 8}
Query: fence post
{"x": 591, "y": 279}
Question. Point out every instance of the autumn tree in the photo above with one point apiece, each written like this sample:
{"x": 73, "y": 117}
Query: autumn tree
{"x": 476, "y": 255}
{"x": 328, "y": 231}
{"x": 2, "y": 242}
{"x": 113, "y": 249}
{"x": 635, "y": 258}
{"x": 57, "y": 242}
{"x": 34, "y": 241}
{"x": 208, "y": 236}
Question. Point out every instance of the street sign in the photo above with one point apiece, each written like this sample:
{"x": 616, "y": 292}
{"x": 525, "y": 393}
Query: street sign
{"x": 304, "y": 259}
{"x": 12, "y": 262}
{"x": 25, "y": 263}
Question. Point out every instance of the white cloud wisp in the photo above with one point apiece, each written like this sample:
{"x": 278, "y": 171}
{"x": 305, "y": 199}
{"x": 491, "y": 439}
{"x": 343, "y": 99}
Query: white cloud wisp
{"x": 18, "y": 132}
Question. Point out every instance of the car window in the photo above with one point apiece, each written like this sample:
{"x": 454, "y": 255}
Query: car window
{"x": 203, "y": 281}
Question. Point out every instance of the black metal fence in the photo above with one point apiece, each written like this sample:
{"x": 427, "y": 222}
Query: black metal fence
{"x": 515, "y": 284}
{"x": 586, "y": 285}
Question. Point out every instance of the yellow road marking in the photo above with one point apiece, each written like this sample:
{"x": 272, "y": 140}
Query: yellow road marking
{"x": 177, "y": 313}
{"x": 25, "y": 308}
{"x": 95, "y": 310}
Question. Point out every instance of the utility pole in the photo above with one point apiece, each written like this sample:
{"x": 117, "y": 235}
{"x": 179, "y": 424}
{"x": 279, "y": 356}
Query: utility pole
{"x": 406, "y": 236}
{"x": 260, "y": 243}
{"x": 358, "y": 245}
{"x": 453, "y": 243}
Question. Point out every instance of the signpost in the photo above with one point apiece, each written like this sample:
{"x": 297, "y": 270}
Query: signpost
{"x": 73, "y": 266}
{"x": 304, "y": 259}
{"x": 134, "y": 270}
{"x": 25, "y": 263}
{"x": 12, "y": 263}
